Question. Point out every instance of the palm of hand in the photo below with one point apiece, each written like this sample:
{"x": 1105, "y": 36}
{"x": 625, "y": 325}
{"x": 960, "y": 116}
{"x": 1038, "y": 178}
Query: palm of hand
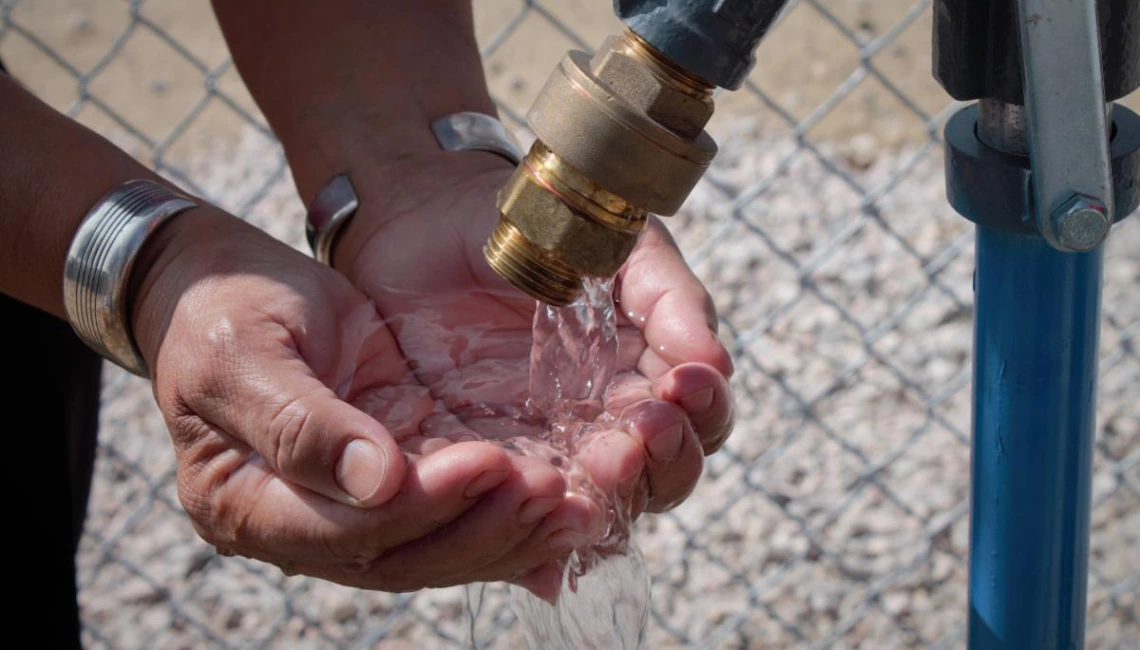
{"x": 251, "y": 345}
{"x": 466, "y": 335}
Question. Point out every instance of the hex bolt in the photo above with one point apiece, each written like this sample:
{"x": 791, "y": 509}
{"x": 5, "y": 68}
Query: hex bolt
{"x": 1081, "y": 223}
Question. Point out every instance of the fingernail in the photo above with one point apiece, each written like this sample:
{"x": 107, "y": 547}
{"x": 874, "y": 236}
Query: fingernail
{"x": 665, "y": 446}
{"x": 361, "y": 469}
{"x": 537, "y": 508}
{"x": 485, "y": 482}
{"x": 699, "y": 401}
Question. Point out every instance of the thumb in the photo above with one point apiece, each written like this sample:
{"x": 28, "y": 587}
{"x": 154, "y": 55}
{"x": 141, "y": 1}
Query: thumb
{"x": 273, "y": 402}
{"x": 202, "y": 315}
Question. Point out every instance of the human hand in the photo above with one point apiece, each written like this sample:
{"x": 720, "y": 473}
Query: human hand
{"x": 253, "y": 350}
{"x": 415, "y": 248}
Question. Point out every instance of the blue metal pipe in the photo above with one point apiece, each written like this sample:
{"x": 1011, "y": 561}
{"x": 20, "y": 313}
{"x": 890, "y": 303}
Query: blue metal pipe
{"x": 1035, "y": 370}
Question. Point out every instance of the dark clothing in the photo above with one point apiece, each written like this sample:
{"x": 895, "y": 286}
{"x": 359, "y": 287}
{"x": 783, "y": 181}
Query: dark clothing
{"x": 51, "y": 409}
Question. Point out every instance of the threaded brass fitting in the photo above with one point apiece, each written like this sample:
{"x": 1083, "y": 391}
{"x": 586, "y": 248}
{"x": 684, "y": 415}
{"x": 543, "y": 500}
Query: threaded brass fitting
{"x": 558, "y": 227}
{"x": 619, "y": 136}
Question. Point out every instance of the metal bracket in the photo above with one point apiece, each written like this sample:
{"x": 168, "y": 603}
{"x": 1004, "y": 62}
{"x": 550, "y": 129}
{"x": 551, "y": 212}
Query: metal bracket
{"x": 1068, "y": 136}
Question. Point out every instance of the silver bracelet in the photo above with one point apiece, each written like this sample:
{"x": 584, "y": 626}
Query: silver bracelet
{"x": 337, "y": 201}
{"x": 97, "y": 273}
{"x": 470, "y": 131}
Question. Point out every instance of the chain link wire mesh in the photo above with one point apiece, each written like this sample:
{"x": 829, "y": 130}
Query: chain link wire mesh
{"x": 837, "y": 515}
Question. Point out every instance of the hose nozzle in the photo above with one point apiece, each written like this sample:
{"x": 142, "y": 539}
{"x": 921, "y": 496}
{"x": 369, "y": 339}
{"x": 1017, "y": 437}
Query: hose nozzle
{"x": 619, "y": 136}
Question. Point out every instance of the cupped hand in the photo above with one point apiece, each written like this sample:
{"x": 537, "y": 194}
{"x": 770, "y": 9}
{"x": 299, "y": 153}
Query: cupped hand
{"x": 415, "y": 249}
{"x": 256, "y": 352}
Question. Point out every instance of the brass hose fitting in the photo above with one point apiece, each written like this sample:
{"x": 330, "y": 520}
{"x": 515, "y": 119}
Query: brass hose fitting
{"x": 619, "y": 136}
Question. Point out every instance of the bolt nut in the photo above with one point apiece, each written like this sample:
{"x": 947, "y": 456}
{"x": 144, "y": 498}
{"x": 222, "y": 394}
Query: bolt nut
{"x": 613, "y": 143}
{"x": 1081, "y": 223}
{"x": 678, "y": 109}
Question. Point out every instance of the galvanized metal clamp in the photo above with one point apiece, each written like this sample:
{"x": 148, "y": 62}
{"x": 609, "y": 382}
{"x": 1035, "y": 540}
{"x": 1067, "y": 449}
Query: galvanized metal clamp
{"x": 1065, "y": 112}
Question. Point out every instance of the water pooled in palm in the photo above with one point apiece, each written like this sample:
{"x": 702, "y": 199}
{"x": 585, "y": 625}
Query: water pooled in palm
{"x": 603, "y": 602}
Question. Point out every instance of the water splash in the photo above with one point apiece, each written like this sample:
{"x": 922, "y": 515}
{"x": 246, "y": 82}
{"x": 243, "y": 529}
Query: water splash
{"x": 574, "y": 355}
{"x": 603, "y": 602}
{"x": 604, "y": 599}
{"x": 605, "y": 607}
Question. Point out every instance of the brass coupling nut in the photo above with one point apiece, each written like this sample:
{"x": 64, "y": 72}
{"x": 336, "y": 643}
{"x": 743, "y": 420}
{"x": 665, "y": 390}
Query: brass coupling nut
{"x": 619, "y": 136}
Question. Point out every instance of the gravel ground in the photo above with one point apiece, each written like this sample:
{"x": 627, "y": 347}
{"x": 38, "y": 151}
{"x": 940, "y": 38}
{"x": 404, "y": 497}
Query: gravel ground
{"x": 836, "y": 514}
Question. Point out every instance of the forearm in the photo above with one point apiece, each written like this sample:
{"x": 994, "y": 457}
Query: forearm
{"x": 52, "y": 170}
{"x": 354, "y": 82}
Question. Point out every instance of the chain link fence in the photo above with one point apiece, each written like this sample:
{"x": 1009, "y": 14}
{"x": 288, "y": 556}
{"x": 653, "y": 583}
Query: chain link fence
{"x": 837, "y": 515}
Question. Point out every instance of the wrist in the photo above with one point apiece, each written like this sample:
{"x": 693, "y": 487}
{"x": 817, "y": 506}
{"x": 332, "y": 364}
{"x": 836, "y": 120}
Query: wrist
{"x": 354, "y": 144}
{"x": 408, "y": 182}
{"x": 372, "y": 127}
{"x": 402, "y": 190}
{"x": 174, "y": 258}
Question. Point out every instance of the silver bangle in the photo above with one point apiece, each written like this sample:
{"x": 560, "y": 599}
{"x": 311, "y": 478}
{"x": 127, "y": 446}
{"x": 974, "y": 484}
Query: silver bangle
{"x": 97, "y": 273}
{"x": 337, "y": 201}
{"x": 470, "y": 131}
{"x": 329, "y": 211}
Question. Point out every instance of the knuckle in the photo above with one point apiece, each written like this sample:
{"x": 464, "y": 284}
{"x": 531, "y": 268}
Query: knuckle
{"x": 197, "y": 506}
{"x": 217, "y": 359}
{"x": 289, "y": 431}
{"x": 199, "y": 473}
{"x": 212, "y": 517}
{"x": 220, "y": 516}
{"x": 186, "y": 429}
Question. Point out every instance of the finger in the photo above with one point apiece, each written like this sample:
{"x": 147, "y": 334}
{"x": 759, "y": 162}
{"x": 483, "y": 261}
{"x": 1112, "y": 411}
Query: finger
{"x": 544, "y": 581}
{"x": 576, "y": 523}
{"x": 674, "y": 456}
{"x": 615, "y": 462}
{"x": 631, "y": 346}
{"x": 483, "y": 534}
{"x": 706, "y": 398}
{"x": 660, "y": 295}
{"x": 651, "y": 365}
{"x": 422, "y": 445}
{"x": 241, "y": 505}
{"x": 267, "y": 396}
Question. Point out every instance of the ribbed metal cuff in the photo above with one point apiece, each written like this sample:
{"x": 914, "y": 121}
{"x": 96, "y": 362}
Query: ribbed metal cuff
{"x": 97, "y": 273}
